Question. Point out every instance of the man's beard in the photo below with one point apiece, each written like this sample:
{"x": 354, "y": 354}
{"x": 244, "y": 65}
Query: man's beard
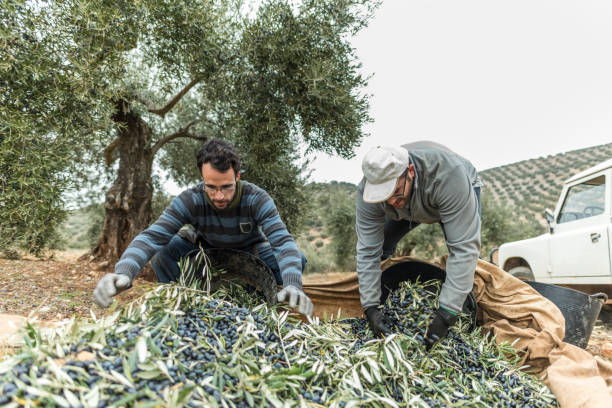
{"x": 221, "y": 203}
{"x": 400, "y": 203}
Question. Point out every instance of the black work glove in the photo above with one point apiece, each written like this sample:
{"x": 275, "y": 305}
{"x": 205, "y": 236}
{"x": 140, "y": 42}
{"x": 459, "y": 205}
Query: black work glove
{"x": 438, "y": 328}
{"x": 378, "y": 322}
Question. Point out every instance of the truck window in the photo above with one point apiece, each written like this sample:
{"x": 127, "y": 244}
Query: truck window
{"x": 584, "y": 200}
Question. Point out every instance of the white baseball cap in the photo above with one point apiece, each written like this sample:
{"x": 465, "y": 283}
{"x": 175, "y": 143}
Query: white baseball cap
{"x": 381, "y": 167}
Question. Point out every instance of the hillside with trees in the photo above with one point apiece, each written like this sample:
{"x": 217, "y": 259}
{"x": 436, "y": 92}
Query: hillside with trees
{"x": 514, "y": 197}
{"x": 534, "y": 185}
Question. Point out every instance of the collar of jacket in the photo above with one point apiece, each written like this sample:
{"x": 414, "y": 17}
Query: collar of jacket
{"x": 232, "y": 203}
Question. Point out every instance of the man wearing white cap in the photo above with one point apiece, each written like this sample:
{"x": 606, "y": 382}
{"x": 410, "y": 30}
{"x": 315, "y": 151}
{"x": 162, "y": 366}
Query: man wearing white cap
{"x": 421, "y": 182}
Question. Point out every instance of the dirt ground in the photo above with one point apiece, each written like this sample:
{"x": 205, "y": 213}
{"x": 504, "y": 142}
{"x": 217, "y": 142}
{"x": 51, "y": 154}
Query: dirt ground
{"x": 56, "y": 288}
{"x": 61, "y": 286}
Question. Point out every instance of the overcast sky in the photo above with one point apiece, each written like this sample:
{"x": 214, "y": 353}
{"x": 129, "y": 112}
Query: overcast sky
{"x": 495, "y": 81}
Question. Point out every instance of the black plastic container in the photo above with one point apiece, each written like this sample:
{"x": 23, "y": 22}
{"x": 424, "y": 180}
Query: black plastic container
{"x": 579, "y": 309}
{"x": 240, "y": 267}
{"x": 421, "y": 271}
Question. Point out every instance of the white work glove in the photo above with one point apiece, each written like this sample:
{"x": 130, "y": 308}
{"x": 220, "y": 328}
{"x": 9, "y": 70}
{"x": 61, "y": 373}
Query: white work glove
{"x": 110, "y": 285}
{"x": 296, "y": 297}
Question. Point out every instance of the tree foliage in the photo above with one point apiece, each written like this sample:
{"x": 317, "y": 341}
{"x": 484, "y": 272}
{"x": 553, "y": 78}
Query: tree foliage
{"x": 500, "y": 223}
{"x": 335, "y": 205}
{"x": 504, "y": 223}
{"x": 44, "y": 105}
{"x": 126, "y": 87}
{"x": 341, "y": 226}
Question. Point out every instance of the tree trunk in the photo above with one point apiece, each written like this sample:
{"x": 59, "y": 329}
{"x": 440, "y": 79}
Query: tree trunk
{"x": 128, "y": 201}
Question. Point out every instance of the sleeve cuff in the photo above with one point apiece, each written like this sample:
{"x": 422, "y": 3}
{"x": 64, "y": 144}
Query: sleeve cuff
{"x": 451, "y": 300}
{"x": 452, "y": 305}
{"x": 292, "y": 279}
{"x": 449, "y": 311}
{"x": 366, "y": 307}
{"x": 126, "y": 268}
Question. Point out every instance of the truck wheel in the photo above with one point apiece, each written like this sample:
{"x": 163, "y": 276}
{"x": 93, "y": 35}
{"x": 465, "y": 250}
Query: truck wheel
{"x": 521, "y": 272}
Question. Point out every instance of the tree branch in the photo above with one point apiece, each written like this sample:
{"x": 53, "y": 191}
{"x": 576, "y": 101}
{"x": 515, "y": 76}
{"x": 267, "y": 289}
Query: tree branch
{"x": 147, "y": 103}
{"x": 183, "y": 132}
{"x": 108, "y": 151}
{"x": 162, "y": 111}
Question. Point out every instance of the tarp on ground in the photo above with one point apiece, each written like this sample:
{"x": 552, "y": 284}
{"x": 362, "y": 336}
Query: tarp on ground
{"x": 514, "y": 312}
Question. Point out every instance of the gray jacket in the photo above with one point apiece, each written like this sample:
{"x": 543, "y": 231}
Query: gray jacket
{"x": 443, "y": 191}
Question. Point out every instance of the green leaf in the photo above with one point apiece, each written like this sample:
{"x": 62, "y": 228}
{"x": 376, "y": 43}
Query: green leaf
{"x": 147, "y": 375}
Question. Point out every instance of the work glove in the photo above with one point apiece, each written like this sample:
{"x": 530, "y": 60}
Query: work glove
{"x": 379, "y": 324}
{"x": 110, "y": 285}
{"x": 438, "y": 328}
{"x": 296, "y": 297}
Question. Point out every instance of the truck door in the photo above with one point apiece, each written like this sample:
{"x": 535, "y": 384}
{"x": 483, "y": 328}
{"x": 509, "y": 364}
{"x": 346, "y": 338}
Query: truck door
{"x": 579, "y": 245}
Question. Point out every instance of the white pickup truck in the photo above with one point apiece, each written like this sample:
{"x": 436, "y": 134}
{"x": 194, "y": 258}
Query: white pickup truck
{"x": 577, "y": 251}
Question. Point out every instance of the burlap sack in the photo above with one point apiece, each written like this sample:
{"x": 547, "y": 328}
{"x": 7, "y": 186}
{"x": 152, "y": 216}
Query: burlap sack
{"x": 514, "y": 311}
{"x": 337, "y": 296}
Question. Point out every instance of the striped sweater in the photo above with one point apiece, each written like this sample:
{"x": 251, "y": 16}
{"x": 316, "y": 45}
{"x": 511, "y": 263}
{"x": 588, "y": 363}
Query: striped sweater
{"x": 250, "y": 218}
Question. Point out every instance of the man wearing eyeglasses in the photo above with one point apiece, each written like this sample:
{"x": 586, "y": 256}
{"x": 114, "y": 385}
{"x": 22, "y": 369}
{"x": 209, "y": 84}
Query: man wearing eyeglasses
{"x": 225, "y": 212}
{"x": 421, "y": 182}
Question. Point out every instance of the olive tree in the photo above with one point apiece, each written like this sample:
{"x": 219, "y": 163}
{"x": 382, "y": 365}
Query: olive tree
{"x": 157, "y": 78}
{"x": 45, "y": 105}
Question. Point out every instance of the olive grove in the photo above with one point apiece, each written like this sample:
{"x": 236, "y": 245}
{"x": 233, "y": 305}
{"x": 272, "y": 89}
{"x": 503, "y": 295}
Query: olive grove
{"x": 97, "y": 95}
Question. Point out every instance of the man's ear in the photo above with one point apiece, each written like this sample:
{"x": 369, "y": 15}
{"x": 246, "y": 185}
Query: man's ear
{"x": 238, "y": 176}
{"x": 411, "y": 171}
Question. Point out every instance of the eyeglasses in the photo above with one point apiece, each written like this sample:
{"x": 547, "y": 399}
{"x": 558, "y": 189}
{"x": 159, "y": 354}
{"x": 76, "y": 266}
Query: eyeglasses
{"x": 225, "y": 190}
{"x": 401, "y": 195}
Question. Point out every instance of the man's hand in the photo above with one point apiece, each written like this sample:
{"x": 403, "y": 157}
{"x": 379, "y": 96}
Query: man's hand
{"x": 378, "y": 322}
{"x": 110, "y": 285}
{"x": 438, "y": 328}
{"x": 296, "y": 297}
